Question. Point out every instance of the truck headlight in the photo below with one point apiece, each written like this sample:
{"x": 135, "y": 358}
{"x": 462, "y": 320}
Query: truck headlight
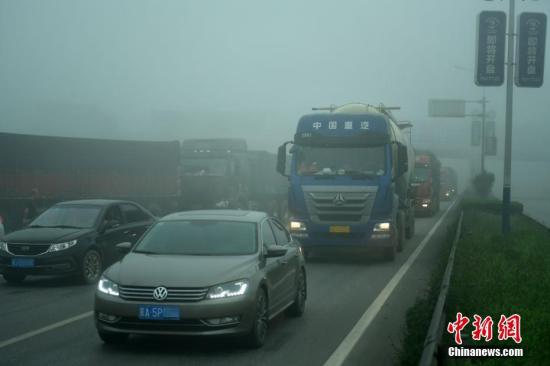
{"x": 3, "y": 246}
{"x": 107, "y": 286}
{"x": 382, "y": 227}
{"x": 61, "y": 246}
{"x": 229, "y": 289}
{"x": 297, "y": 226}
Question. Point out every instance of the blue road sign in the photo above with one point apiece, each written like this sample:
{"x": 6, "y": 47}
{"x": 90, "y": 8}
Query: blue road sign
{"x": 530, "y": 50}
{"x": 491, "y": 43}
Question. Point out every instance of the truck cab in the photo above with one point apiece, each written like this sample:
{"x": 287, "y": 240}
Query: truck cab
{"x": 349, "y": 181}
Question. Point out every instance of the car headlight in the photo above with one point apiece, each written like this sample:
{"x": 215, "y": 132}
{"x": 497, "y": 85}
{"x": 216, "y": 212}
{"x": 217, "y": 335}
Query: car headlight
{"x": 297, "y": 226}
{"x": 61, "y": 246}
{"x": 3, "y": 246}
{"x": 230, "y": 289}
{"x": 107, "y": 286}
{"x": 383, "y": 227}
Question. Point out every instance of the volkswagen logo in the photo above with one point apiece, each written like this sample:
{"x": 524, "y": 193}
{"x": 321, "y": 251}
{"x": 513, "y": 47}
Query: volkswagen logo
{"x": 160, "y": 293}
{"x": 339, "y": 199}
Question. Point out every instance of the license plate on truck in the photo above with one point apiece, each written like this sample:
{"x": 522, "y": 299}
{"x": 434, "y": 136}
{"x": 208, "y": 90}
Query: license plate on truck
{"x": 22, "y": 262}
{"x": 159, "y": 312}
{"x": 339, "y": 229}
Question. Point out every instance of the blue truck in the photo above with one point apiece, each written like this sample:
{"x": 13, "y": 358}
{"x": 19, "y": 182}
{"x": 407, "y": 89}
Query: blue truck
{"x": 350, "y": 172}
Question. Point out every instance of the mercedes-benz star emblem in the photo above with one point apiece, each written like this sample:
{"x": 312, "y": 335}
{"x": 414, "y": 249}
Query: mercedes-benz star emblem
{"x": 160, "y": 293}
{"x": 339, "y": 199}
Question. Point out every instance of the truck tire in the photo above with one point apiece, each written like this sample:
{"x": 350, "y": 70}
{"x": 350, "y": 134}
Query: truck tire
{"x": 410, "y": 229}
{"x": 400, "y": 231}
{"x": 14, "y": 277}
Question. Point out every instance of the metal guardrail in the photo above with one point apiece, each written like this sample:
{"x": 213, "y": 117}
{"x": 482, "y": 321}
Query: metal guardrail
{"x": 435, "y": 330}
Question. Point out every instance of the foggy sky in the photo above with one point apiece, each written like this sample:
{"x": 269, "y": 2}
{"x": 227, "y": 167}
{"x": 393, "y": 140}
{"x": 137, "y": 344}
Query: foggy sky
{"x": 169, "y": 70}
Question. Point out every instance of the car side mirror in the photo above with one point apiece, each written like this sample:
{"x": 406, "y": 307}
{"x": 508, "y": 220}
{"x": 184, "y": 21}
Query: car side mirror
{"x": 402, "y": 160}
{"x": 111, "y": 224}
{"x": 281, "y": 159}
{"x": 275, "y": 251}
{"x": 124, "y": 247}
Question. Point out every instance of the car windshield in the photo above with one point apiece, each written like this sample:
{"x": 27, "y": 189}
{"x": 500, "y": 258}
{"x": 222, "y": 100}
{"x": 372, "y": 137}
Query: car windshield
{"x": 421, "y": 174}
{"x": 68, "y": 216}
{"x": 200, "y": 237}
{"x": 351, "y": 161}
{"x": 205, "y": 166}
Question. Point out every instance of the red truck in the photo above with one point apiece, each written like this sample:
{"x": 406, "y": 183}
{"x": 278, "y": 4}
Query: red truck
{"x": 426, "y": 183}
{"x": 64, "y": 168}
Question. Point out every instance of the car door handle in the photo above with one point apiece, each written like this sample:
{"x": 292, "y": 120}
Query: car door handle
{"x": 283, "y": 261}
{"x": 126, "y": 232}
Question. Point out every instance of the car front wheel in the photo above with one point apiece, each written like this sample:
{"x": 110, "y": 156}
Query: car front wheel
{"x": 258, "y": 332}
{"x": 91, "y": 267}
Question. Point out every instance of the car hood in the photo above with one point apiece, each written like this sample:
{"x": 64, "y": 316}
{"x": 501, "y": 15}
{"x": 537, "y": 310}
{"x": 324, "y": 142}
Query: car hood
{"x": 137, "y": 269}
{"x": 45, "y": 235}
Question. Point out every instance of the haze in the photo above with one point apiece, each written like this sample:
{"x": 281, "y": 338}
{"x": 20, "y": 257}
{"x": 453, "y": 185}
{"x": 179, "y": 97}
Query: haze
{"x": 185, "y": 69}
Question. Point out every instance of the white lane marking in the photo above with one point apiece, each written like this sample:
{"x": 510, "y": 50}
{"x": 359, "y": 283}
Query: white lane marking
{"x": 346, "y": 346}
{"x": 47, "y": 328}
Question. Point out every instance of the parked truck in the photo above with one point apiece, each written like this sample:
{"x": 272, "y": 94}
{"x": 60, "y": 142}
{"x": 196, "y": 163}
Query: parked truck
{"x": 223, "y": 173}
{"x": 349, "y": 174}
{"x": 63, "y": 168}
{"x": 426, "y": 183}
{"x": 449, "y": 184}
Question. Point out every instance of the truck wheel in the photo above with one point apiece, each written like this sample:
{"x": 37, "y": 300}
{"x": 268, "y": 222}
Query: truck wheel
{"x": 113, "y": 338}
{"x": 14, "y": 277}
{"x": 400, "y": 231}
{"x": 409, "y": 231}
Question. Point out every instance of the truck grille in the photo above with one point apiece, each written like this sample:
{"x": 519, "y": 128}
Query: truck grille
{"x": 174, "y": 294}
{"x": 328, "y": 204}
{"x": 28, "y": 249}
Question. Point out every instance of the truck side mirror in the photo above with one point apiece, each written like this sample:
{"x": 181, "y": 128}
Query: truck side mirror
{"x": 281, "y": 159}
{"x": 402, "y": 160}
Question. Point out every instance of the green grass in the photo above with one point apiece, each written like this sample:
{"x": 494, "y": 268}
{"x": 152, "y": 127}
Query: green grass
{"x": 419, "y": 316}
{"x": 496, "y": 275}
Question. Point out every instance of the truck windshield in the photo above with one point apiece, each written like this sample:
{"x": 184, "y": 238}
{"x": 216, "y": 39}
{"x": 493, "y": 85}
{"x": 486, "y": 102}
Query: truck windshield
{"x": 205, "y": 166}
{"x": 349, "y": 161}
{"x": 421, "y": 174}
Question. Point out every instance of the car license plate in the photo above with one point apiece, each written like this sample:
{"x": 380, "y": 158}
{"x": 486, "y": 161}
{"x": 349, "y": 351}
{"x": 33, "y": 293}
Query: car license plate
{"x": 159, "y": 312}
{"x": 339, "y": 229}
{"x": 22, "y": 262}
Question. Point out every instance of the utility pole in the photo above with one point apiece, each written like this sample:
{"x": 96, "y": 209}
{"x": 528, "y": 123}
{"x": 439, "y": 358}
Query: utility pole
{"x": 507, "y": 187}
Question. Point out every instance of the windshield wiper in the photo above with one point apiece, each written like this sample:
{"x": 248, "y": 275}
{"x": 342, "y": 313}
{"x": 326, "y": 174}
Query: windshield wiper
{"x": 145, "y": 252}
{"x": 361, "y": 175}
{"x": 65, "y": 227}
{"x": 36, "y": 226}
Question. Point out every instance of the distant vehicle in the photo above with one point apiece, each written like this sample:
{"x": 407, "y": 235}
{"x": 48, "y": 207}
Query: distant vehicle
{"x": 223, "y": 173}
{"x": 349, "y": 179}
{"x": 211, "y": 272}
{"x": 66, "y": 168}
{"x": 449, "y": 184}
{"x": 426, "y": 183}
{"x": 73, "y": 238}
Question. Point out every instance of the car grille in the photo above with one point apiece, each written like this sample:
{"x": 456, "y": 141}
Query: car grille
{"x": 174, "y": 294}
{"x": 344, "y": 204}
{"x": 28, "y": 249}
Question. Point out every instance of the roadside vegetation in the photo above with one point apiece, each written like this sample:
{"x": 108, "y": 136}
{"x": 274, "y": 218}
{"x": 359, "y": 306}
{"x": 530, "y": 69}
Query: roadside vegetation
{"x": 496, "y": 274}
{"x": 493, "y": 275}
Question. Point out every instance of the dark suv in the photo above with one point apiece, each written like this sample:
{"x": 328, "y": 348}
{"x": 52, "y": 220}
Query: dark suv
{"x": 73, "y": 238}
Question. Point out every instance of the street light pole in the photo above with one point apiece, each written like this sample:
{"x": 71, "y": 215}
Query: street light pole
{"x": 483, "y": 117}
{"x": 507, "y": 187}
